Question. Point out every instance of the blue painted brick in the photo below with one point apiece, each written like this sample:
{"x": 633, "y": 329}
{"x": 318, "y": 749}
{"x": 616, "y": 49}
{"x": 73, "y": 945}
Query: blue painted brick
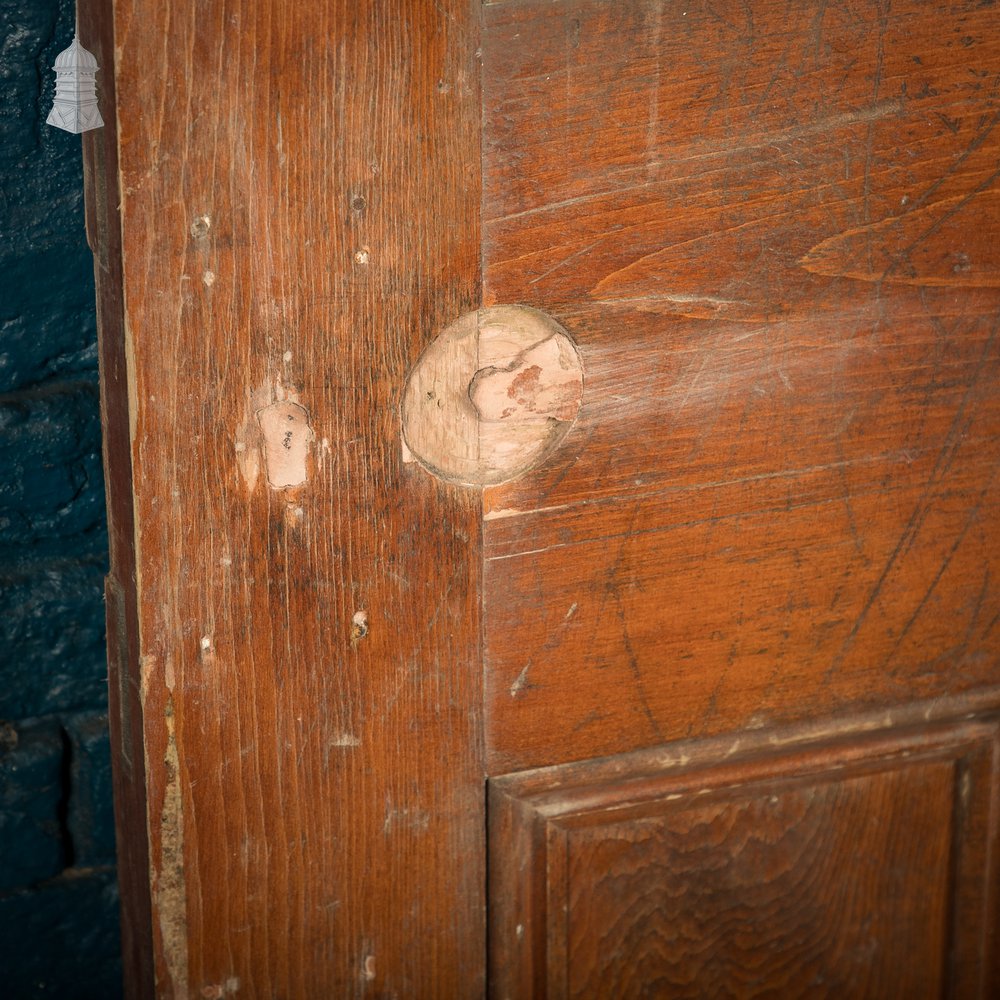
{"x": 89, "y": 817}
{"x": 32, "y": 845}
{"x": 47, "y": 322}
{"x": 61, "y": 939}
{"x": 53, "y": 483}
{"x": 58, "y": 936}
{"x": 52, "y": 652}
{"x": 40, "y": 166}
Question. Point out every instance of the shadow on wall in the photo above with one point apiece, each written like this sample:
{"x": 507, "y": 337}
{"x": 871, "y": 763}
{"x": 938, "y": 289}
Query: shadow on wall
{"x": 58, "y": 895}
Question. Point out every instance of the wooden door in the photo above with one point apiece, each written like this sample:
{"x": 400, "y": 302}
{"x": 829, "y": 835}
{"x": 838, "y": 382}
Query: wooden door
{"x": 705, "y": 702}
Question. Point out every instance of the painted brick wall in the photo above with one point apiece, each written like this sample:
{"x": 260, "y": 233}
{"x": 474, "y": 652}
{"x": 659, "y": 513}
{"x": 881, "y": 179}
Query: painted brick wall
{"x": 58, "y": 895}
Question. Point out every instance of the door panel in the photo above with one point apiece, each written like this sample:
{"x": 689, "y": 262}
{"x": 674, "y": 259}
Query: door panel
{"x": 762, "y": 224}
{"x": 727, "y": 660}
{"x": 848, "y": 869}
{"x": 777, "y": 505}
{"x": 300, "y": 698}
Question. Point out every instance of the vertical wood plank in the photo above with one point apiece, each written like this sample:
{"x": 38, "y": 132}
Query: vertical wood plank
{"x": 100, "y": 157}
{"x": 299, "y": 190}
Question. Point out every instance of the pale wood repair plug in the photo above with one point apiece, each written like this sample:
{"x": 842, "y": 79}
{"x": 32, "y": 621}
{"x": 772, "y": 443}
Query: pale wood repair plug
{"x": 492, "y": 396}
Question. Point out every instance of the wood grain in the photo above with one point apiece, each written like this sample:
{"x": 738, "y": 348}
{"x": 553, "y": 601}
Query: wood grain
{"x": 289, "y": 180}
{"x": 826, "y": 869}
{"x": 100, "y": 157}
{"x": 771, "y": 229}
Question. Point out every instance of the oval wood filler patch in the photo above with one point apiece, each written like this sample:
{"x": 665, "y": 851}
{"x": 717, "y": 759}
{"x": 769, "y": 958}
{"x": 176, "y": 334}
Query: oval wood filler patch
{"x": 286, "y": 432}
{"x": 493, "y": 396}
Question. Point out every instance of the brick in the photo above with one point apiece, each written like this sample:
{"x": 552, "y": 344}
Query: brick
{"x": 47, "y": 319}
{"x": 53, "y": 483}
{"x": 32, "y": 845}
{"x": 89, "y": 816}
{"x": 52, "y": 650}
{"x": 62, "y": 939}
{"x": 24, "y": 30}
{"x": 40, "y": 166}
{"x": 58, "y": 929}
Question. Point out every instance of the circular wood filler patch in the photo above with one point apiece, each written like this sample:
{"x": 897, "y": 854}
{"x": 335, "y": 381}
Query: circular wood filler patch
{"x": 492, "y": 396}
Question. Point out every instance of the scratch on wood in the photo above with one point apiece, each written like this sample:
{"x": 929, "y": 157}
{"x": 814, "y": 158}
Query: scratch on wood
{"x": 216, "y": 991}
{"x": 833, "y": 123}
{"x": 504, "y": 512}
{"x": 406, "y": 819}
{"x": 973, "y": 517}
{"x": 841, "y": 255}
{"x": 521, "y": 681}
{"x": 890, "y": 458}
{"x": 345, "y": 740}
{"x": 368, "y": 968}
{"x": 167, "y": 877}
{"x": 926, "y": 499}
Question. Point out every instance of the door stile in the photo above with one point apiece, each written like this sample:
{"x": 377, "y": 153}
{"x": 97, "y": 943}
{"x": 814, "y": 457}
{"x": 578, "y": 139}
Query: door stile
{"x": 294, "y": 610}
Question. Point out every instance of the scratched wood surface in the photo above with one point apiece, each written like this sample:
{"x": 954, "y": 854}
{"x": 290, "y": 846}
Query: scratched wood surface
{"x": 305, "y": 636}
{"x": 100, "y": 154}
{"x": 822, "y": 869}
{"x": 774, "y": 231}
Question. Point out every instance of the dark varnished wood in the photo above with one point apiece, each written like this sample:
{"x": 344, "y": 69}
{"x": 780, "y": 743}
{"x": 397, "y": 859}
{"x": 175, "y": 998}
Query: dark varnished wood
{"x": 289, "y": 178}
{"x": 860, "y": 865}
{"x": 772, "y": 229}
{"x": 100, "y": 157}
